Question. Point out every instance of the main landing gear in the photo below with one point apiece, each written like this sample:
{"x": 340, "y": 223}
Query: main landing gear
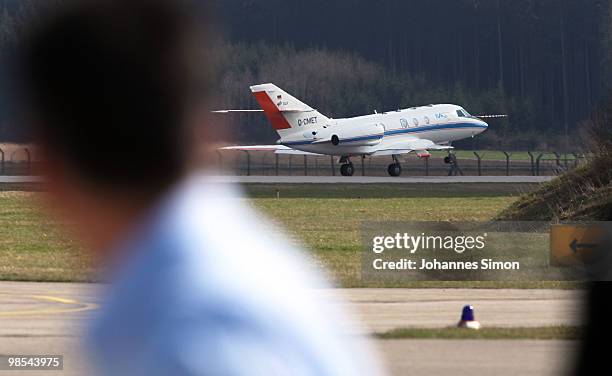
{"x": 395, "y": 169}
{"x": 346, "y": 168}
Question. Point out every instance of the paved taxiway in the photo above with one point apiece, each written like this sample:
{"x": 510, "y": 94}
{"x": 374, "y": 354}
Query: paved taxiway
{"x": 379, "y": 180}
{"x": 340, "y": 179}
{"x": 49, "y": 318}
{"x": 463, "y": 357}
{"x": 10, "y": 179}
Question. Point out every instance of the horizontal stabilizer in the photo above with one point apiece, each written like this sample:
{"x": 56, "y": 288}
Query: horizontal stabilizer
{"x": 255, "y": 147}
{"x": 230, "y": 111}
{"x": 295, "y": 152}
{"x": 278, "y": 149}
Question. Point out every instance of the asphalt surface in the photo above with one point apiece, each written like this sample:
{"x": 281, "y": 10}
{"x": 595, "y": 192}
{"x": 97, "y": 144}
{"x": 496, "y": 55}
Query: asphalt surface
{"x": 379, "y": 180}
{"x": 381, "y": 310}
{"x": 478, "y": 358}
{"x": 338, "y": 179}
{"x": 20, "y": 179}
{"x": 46, "y": 319}
{"x": 50, "y": 318}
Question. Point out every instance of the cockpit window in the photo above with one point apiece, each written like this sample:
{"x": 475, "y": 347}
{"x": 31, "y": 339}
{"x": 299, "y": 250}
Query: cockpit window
{"x": 463, "y": 113}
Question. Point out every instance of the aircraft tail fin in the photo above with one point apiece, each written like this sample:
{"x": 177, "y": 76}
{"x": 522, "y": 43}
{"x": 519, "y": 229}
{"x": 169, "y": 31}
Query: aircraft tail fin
{"x": 286, "y": 113}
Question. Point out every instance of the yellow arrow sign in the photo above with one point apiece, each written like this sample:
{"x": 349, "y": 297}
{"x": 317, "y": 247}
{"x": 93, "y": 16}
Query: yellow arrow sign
{"x": 572, "y": 244}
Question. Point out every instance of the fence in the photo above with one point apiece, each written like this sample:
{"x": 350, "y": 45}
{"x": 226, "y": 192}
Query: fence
{"x": 19, "y": 161}
{"x": 469, "y": 163}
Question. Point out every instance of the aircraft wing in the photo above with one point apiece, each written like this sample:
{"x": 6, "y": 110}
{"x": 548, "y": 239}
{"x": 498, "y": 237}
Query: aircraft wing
{"x": 278, "y": 149}
{"x": 405, "y": 147}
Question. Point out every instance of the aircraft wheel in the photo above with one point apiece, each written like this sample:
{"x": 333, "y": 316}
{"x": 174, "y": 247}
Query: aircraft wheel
{"x": 347, "y": 169}
{"x": 395, "y": 169}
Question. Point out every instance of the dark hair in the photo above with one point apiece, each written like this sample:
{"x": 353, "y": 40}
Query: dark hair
{"x": 108, "y": 83}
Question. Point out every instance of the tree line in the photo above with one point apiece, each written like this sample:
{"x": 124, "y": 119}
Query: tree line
{"x": 546, "y": 63}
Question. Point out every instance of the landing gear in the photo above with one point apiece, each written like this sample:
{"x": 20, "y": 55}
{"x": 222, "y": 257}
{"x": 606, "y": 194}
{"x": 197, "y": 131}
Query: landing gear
{"x": 347, "y": 169}
{"x": 395, "y": 169}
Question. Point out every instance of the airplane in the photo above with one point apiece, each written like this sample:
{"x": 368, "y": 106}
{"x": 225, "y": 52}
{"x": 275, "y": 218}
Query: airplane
{"x": 305, "y": 131}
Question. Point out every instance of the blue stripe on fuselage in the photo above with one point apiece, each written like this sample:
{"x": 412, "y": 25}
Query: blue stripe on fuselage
{"x": 394, "y": 132}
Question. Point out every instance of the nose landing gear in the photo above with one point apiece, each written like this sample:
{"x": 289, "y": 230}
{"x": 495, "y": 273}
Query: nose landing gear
{"x": 394, "y": 169}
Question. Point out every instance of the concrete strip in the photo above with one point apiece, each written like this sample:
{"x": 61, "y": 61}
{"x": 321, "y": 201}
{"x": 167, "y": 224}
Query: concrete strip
{"x": 9, "y": 179}
{"x": 381, "y": 310}
{"x": 378, "y": 180}
{"x": 50, "y": 327}
{"x": 477, "y": 357}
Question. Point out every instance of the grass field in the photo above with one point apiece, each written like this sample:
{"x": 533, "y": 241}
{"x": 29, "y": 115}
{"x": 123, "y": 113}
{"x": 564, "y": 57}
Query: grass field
{"x": 35, "y": 247}
{"x": 326, "y": 219}
{"x": 330, "y": 226}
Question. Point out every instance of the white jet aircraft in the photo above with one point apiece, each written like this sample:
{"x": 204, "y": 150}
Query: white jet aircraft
{"x": 304, "y": 130}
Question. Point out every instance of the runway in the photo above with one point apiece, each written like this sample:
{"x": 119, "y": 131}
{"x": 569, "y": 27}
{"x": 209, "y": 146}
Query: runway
{"x": 16, "y": 179}
{"x": 378, "y": 180}
{"x": 50, "y": 318}
{"x": 381, "y": 310}
{"x": 440, "y": 357}
{"x": 337, "y": 179}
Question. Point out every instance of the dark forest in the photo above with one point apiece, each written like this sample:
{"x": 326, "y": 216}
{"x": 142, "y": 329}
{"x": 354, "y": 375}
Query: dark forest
{"x": 545, "y": 63}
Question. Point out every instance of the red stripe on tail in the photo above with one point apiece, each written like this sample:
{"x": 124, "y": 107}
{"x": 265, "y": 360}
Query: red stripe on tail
{"x": 274, "y": 115}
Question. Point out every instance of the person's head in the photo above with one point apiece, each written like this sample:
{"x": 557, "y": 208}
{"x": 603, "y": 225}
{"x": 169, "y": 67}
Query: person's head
{"x": 108, "y": 86}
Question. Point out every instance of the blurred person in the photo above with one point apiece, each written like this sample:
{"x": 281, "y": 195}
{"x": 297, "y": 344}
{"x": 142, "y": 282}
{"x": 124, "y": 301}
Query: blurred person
{"x": 201, "y": 284}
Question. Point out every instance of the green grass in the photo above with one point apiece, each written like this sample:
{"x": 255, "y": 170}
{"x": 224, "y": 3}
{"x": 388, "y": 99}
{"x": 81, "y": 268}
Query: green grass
{"x": 540, "y": 333}
{"x": 330, "y": 228}
{"x": 326, "y": 219}
{"x": 371, "y": 191}
{"x": 35, "y": 247}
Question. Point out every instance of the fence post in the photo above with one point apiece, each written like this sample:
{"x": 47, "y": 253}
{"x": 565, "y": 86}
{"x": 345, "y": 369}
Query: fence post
{"x": 248, "y": 162}
{"x": 29, "y": 157}
{"x": 507, "y": 163}
{"x": 220, "y": 159}
{"x": 333, "y": 167}
{"x": 532, "y": 164}
{"x": 363, "y": 165}
{"x": 575, "y": 159}
{"x": 305, "y": 165}
{"x": 478, "y": 159}
{"x": 427, "y": 166}
{"x": 538, "y": 164}
{"x": 557, "y": 159}
{"x": 1, "y": 161}
{"x": 276, "y": 164}
{"x": 290, "y": 165}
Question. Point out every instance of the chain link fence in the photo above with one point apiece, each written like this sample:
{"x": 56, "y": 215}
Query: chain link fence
{"x": 21, "y": 161}
{"x": 479, "y": 163}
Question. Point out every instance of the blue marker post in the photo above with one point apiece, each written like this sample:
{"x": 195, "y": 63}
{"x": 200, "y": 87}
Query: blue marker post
{"x": 467, "y": 318}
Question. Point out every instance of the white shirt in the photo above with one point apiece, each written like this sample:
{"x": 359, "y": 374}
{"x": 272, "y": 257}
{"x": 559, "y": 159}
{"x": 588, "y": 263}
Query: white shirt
{"x": 210, "y": 287}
